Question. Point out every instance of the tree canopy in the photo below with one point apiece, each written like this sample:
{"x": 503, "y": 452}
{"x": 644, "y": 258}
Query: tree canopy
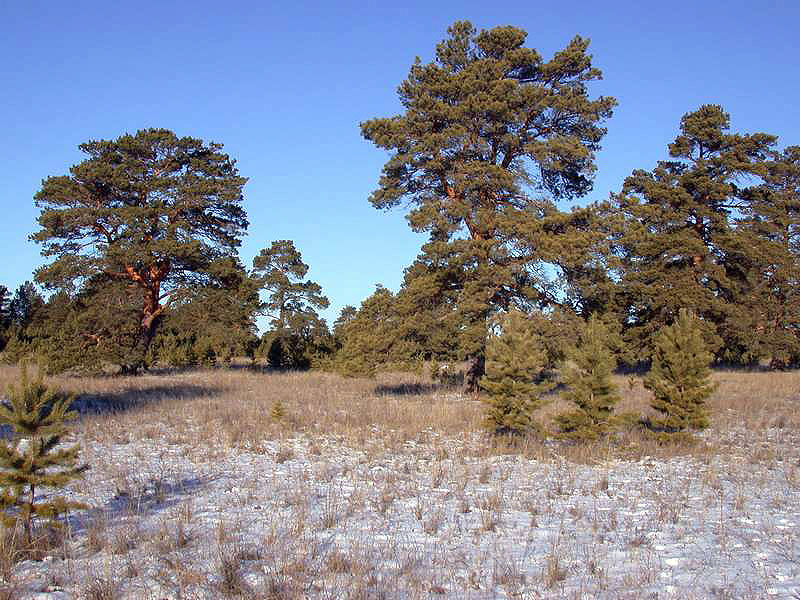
{"x": 709, "y": 230}
{"x": 491, "y": 136}
{"x": 280, "y": 270}
{"x": 156, "y": 213}
{"x": 298, "y": 335}
{"x": 768, "y": 259}
{"x": 492, "y": 145}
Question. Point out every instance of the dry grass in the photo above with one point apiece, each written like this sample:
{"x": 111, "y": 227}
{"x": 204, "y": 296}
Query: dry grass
{"x": 415, "y": 450}
{"x": 235, "y": 406}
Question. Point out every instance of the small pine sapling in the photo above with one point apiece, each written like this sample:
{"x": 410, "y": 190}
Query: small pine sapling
{"x": 444, "y": 373}
{"x": 435, "y": 370}
{"x": 514, "y": 381}
{"x": 278, "y": 412}
{"x": 589, "y": 385}
{"x": 679, "y": 376}
{"x": 34, "y": 457}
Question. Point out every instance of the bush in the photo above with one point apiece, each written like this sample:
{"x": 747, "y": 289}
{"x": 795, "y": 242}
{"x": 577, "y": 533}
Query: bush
{"x": 34, "y": 458}
{"x": 679, "y": 377}
{"x": 516, "y": 360}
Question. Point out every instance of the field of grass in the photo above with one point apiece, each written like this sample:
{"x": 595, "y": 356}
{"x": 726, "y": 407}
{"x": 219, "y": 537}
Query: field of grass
{"x": 389, "y": 488}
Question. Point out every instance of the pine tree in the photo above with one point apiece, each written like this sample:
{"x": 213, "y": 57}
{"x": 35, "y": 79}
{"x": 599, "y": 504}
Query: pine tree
{"x": 427, "y": 324}
{"x": 677, "y": 234}
{"x": 514, "y": 379}
{"x": 292, "y": 305}
{"x": 5, "y": 308}
{"x": 346, "y": 316}
{"x": 23, "y": 306}
{"x": 89, "y": 331}
{"x": 212, "y": 323}
{"x": 280, "y": 271}
{"x": 589, "y": 384}
{"x": 34, "y": 457}
{"x": 769, "y": 261}
{"x": 152, "y": 213}
{"x": 18, "y": 314}
{"x": 491, "y": 137}
{"x": 277, "y": 412}
{"x": 679, "y": 377}
{"x": 400, "y": 331}
{"x": 370, "y": 338}
{"x": 5, "y": 316}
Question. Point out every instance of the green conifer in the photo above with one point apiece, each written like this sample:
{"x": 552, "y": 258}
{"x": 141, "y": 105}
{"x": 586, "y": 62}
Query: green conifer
{"x": 589, "y": 384}
{"x": 514, "y": 380}
{"x": 768, "y": 262}
{"x": 492, "y": 137}
{"x": 278, "y": 412}
{"x": 34, "y": 457}
{"x": 679, "y": 377}
{"x": 368, "y": 338}
{"x": 677, "y": 241}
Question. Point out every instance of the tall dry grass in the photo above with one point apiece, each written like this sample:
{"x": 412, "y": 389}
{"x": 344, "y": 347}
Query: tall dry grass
{"x": 441, "y": 484}
{"x": 234, "y": 406}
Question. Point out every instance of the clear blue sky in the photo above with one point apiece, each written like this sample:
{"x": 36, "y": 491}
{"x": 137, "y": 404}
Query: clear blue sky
{"x": 284, "y": 86}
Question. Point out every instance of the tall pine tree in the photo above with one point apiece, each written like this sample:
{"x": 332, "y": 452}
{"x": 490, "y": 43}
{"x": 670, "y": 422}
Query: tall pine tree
{"x": 492, "y": 135}
{"x": 678, "y": 234}
{"x": 769, "y": 262}
{"x": 152, "y": 213}
{"x": 292, "y": 306}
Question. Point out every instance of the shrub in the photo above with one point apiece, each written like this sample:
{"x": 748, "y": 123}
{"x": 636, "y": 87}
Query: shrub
{"x": 679, "y": 377}
{"x": 34, "y": 457}
{"x": 514, "y": 380}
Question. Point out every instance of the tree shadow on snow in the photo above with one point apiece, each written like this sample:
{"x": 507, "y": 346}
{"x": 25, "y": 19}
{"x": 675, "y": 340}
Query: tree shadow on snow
{"x": 151, "y": 497}
{"x": 125, "y": 399}
{"x": 410, "y": 389}
{"x": 138, "y": 396}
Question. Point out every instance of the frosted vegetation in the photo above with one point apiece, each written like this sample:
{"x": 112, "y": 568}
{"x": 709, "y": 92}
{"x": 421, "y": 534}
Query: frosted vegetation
{"x": 392, "y": 488}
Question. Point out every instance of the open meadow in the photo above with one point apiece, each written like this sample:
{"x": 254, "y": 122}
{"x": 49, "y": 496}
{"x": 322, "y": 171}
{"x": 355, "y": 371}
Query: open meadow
{"x": 400, "y": 301}
{"x": 389, "y": 488}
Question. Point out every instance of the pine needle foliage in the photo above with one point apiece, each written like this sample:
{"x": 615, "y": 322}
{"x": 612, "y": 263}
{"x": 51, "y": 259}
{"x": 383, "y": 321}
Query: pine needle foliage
{"x": 34, "y": 457}
{"x": 492, "y": 136}
{"x": 368, "y": 337}
{"x": 589, "y": 384}
{"x": 278, "y": 412}
{"x": 150, "y": 214}
{"x": 514, "y": 382}
{"x": 680, "y": 246}
{"x": 679, "y": 377}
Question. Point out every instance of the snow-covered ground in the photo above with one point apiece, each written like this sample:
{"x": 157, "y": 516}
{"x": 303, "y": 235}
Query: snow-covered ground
{"x": 321, "y": 517}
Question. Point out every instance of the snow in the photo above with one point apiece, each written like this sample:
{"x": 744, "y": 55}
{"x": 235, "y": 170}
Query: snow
{"x": 422, "y": 520}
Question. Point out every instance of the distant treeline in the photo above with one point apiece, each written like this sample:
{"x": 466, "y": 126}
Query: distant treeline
{"x": 142, "y": 236}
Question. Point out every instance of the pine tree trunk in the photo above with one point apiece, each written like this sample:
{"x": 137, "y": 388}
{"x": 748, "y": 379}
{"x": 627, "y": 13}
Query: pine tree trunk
{"x": 476, "y": 370}
{"x": 147, "y": 331}
{"x": 29, "y": 518}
